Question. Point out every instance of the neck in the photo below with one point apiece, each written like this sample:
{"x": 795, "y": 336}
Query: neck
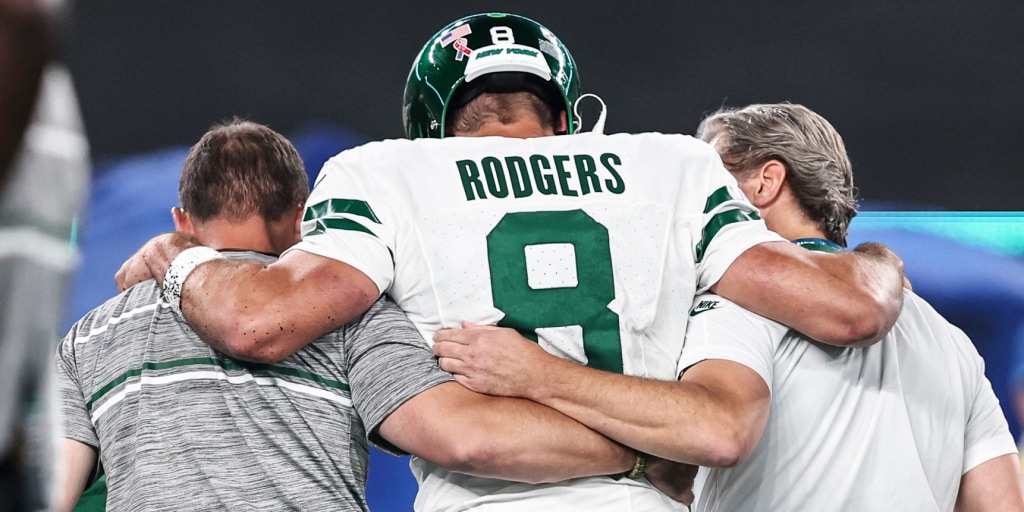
{"x": 253, "y": 234}
{"x": 788, "y": 220}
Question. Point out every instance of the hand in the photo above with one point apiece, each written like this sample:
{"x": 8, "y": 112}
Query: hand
{"x": 882, "y": 252}
{"x": 132, "y": 272}
{"x": 152, "y": 259}
{"x": 491, "y": 360}
{"x": 675, "y": 479}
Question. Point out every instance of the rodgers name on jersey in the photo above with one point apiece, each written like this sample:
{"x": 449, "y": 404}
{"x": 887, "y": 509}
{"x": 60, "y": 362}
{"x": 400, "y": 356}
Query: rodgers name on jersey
{"x": 567, "y": 175}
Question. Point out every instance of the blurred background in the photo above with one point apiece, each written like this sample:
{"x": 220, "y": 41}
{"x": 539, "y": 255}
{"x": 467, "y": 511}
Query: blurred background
{"x": 927, "y": 95}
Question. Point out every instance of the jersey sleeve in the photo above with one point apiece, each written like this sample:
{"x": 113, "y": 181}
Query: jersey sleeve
{"x": 730, "y": 225}
{"x": 341, "y": 222}
{"x": 389, "y": 363}
{"x": 987, "y": 435}
{"x": 74, "y": 412}
{"x": 719, "y": 329}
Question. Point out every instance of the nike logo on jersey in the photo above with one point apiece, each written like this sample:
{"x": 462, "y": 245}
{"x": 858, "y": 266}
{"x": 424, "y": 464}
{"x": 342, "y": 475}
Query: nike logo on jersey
{"x": 702, "y": 306}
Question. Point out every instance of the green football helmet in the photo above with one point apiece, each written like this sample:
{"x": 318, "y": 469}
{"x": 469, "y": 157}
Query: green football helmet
{"x": 493, "y": 52}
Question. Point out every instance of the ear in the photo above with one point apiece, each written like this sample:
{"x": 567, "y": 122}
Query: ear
{"x": 766, "y": 183}
{"x": 298, "y": 219}
{"x": 182, "y": 221}
{"x": 563, "y": 123}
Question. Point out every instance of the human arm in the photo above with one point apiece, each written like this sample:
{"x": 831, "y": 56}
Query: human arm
{"x": 506, "y": 438}
{"x": 77, "y": 462}
{"x": 713, "y": 416}
{"x": 996, "y": 484}
{"x": 408, "y": 404}
{"x": 849, "y": 299}
{"x": 24, "y": 50}
{"x": 256, "y": 312}
{"x": 992, "y": 478}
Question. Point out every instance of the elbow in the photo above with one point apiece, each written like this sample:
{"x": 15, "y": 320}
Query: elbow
{"x": 866, "y": 327}
{"x": 729, "y": 447}
{"x": 470, "y": 455}
{"x": 487, "y": 457}
{"x": 866, "y": 331}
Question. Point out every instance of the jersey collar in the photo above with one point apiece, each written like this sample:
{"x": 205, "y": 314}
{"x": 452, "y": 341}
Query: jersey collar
{"x": 818, "y": 244}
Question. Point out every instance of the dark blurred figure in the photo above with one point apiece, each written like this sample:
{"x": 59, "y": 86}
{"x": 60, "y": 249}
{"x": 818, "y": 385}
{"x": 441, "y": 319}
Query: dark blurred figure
{"x": 44, "y": 171}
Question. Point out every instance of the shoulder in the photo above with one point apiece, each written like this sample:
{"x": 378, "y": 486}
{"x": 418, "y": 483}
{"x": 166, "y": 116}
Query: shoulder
{"x": 143, "y": 296}
{"x": 384, "y": 316}
{"x": 921, "y": 325}
{"x": 123, "y": 311}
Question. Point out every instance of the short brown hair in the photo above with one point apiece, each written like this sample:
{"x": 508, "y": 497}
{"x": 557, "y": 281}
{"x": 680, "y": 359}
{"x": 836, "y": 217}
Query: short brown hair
{"x": 240, "y": 169}
{"x": 503, "y": 107}
{"x": 818, "y": 168}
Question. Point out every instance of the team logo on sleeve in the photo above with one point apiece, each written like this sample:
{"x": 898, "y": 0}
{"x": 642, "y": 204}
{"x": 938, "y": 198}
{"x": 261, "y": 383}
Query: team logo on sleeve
{"x": 702, "y": 306}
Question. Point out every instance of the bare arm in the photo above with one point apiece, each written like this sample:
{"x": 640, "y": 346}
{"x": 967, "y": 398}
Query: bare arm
{"x": 850, "y": 299}
{"x": 24, "y": 50}
{"x": 255, "y": 312}
{"x": 994, "y": 485}
{"x": 505, "y": 438}
{"x": 77, "y": 461}
{"x": 713, "y": 416}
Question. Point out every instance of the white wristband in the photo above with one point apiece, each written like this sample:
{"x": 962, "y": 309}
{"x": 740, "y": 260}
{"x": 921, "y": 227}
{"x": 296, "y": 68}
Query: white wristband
{"x": 184, "y": 263}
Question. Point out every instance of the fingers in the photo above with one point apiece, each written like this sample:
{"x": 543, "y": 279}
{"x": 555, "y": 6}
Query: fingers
{"x": 451, "y": 335}
{"x": 469, "y": 325}
{"x": 465, "y": 335}
{"x": 445, "y": 348}
{"x": 131, "y": 273}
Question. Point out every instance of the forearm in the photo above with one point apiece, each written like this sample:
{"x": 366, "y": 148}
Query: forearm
{"x": 257, "y": 312}
{"x": 684, "y": 421}
{"x": 505, "y": 438}
{"x": 77, "y": 461}
{"x": 852, "y": 299}
{"x": 996, "y": 485}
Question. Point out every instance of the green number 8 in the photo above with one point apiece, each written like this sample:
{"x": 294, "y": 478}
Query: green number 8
{"x": 585, "y": 304}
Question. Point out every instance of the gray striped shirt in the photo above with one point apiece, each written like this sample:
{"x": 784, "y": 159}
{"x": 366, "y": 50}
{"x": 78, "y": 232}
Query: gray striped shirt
{"x": 182, "y": 427}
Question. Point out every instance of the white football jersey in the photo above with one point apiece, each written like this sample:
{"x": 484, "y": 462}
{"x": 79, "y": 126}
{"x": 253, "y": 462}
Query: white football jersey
{"x": 889, "y": 427}
{"x": 594, "y": 245}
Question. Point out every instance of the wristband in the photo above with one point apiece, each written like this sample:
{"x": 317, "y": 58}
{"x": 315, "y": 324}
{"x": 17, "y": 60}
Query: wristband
{"x": 639, "y": 468}
{"x": 183, "y": 264}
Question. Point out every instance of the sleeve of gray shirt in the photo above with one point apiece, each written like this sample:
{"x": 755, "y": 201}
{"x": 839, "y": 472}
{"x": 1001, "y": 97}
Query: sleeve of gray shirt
{"x": 389, "y": 363}
{"x": 75, "y": 422}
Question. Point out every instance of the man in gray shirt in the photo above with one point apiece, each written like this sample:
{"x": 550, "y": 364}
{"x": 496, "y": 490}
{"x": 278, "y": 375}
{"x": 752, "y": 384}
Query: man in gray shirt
{"x": 179, "y": 426}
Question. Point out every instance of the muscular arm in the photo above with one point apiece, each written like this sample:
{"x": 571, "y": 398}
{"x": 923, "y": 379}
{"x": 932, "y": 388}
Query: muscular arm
{"x": 255, "y": 312}
{"x": 850, "y": 299}
{"x": 77, "y": 461}
{"x": 24, "y": 50}
{"x": 994, "y": 485}
{"x": 506, "y": 438}
{"x": 713, "y": 416}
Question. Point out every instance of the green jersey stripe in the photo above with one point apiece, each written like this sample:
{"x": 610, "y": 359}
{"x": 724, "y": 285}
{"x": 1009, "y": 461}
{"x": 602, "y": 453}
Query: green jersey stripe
{"x": 223, "y": 364}
{"x": 335, "y": 206}
{"x": 322, "y": 225}
{"x": 719, "y": 221}
{"x": 717, "y": 198}
{"x": 295, "y": 372}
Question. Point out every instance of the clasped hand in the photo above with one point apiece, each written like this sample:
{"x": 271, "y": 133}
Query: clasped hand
{"x": 491, "y": 360}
